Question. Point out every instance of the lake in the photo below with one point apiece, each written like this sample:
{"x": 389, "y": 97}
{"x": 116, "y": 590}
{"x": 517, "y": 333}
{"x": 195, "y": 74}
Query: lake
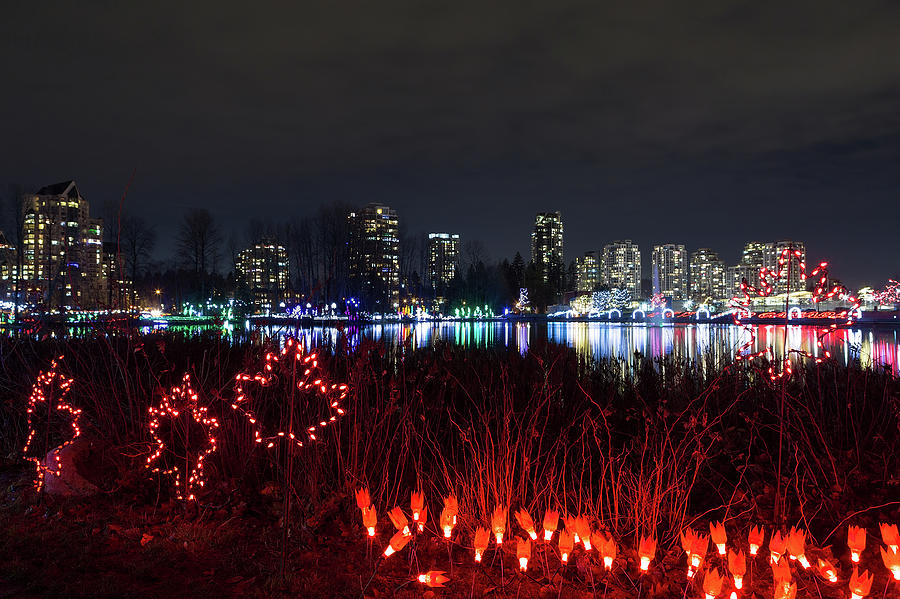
{"x": 870, "y": 346}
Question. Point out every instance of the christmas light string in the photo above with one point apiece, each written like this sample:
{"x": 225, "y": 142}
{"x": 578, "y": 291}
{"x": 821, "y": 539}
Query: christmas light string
{"x": 890, "y": 294}
{"x": 724, "y": 563}
{"x": 50, "y": 386}
{"x": 312, "y": 380}
{"x": 180, "y": 401}
{"x": 822, "y": 292}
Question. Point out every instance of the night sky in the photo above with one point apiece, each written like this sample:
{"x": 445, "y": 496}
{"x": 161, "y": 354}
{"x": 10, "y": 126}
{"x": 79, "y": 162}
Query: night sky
{"x": 704, "y": 123}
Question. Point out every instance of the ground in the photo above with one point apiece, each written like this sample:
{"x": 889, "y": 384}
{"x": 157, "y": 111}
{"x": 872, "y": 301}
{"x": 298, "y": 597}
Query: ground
{"x": 104, "y": 547}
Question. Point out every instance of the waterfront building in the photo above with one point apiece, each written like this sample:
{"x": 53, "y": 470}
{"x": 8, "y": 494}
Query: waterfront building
{"x": 708, "y": 282}
{"x": 791, "y": 278}
{"x": 753, "y": 258}
{"x": 547, "y": 244}
{"x": 63, "y": 248}
{"x": 8, "y": 268}
{"x": 443, "y": 260}
{"x": 264, "y": 269}
{"x": 670, "y": 270}
{"x": 587, "y": 272}
{"x": 621, "y": 266}
{"x": 374, "y": 246}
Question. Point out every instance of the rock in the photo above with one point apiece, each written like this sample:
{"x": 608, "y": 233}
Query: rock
{"x": 70, "y": 482}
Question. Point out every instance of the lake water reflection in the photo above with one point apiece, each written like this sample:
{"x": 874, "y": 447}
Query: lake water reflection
{"x": 879, "y": 346}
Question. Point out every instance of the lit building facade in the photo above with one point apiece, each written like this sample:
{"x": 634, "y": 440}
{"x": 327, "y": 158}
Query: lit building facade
{"x": 547, "y": 243}
{"x": 707, "y": 276}
{"x": 264, "y": 269}
{"x": 753, "y": 258}
{"x": 670, "y": 270}
{"x": 621, "y": 266}
{"x": 587, "y": 272}
{"x": 773, "y": 253}
{"x": 443, "y": 260}
{"x": 63, "y": 249}
{"x": 375, "y": 257}
{"x": 8, "y": 267}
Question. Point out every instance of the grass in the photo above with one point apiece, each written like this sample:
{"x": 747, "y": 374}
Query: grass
{"x": 646, "y": 447}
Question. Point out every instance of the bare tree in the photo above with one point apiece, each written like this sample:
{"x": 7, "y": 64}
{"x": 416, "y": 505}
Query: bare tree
{"x": 303, "y": 252}
{"x": 199, "y": 242}
{"x": 136, "y": 242}
{"x": 473, "y": 253}
{"x": 333, "y": 231}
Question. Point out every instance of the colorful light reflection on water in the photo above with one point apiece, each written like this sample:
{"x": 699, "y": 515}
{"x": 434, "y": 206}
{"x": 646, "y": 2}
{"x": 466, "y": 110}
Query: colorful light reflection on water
{"x": 878, "y": 347}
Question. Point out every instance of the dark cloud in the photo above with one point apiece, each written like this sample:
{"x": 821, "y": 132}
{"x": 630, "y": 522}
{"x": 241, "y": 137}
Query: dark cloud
{"x": 703, "y": 122}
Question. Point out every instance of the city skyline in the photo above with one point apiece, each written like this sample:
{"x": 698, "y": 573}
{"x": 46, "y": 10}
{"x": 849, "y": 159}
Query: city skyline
{"x": 634, "y": 122}
{"x": 379, "y": 269}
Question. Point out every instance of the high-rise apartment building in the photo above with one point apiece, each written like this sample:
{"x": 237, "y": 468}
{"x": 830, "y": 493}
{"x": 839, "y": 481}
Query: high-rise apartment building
{"x": 264, "y": 269}
{"x": 443, "y": 260}
{"x": 375, "y": 257}
{"x": 547, "y": 244}
{"x": 707, "y": 276}
{"x": 8, "y": 268}
{"x": 63, "y": 248}
{"x": 621, "y": 266}
{"x": 753, "y": 259}
{"x": 587, "y": 272}
{"x": 791, "y": 275}
{"x": 670, "y": 270}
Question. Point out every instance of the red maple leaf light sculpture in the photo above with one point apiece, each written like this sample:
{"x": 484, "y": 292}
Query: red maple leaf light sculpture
{"x": 291, "y": 373}
{"x": 822, "y": 292}
{"x": 190, "y": 438}
{"x": 50, "y": 389}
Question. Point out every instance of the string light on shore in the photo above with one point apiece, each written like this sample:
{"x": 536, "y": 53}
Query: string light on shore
{"x": 827, "y": 570}
{"x": 291, "y": 363}
{"x": 777, "y": 546}
{"x": 890, "y": 535}
{"x": 482, "y": 538}
{"x": 527, "y": 524}
{"x": 498, "y": 522}
{"x": 369, "y": 515}
{"x": 433, "y": 578}
{"x": 607, "y": 548}
{"x": 755, "y": 539}
{"x": 856, "y": 541}
{"x": 712, "y": 583}
{"x": 566, "y": 544}
{"x": 796, "y": 544}
{"x": 742, "y": 303}
{"x": 860, "y": 584}
{"x": 50, "y": 388}
{"x": 551, "y": 523}
{"x": 719, "y": 536}
{"x": 737, "y": 566}
{"x": 397, "y": 543}
{"x": 646, "y": 551}
{"x": 180, "y": 401}
{"x": 891, "y": 559}
{"x": 448, "y": 515}
{"x": 523, "y": 552}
